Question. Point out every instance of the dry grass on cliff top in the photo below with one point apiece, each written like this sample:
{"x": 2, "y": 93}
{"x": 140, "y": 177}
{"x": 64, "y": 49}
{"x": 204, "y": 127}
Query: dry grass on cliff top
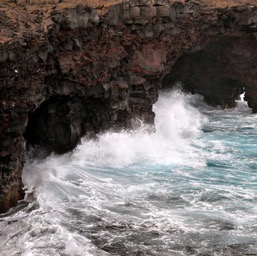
{"x": 228, "y": 3}
{"x": 100, "y": 5}
{"x": 104, "y": 4}
{"x": 65, "y": 3}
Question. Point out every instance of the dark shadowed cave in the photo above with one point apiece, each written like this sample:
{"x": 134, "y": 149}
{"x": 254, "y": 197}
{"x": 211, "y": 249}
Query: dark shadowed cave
{"x": 59, "y": 123}
{"x": 220, "y": 71}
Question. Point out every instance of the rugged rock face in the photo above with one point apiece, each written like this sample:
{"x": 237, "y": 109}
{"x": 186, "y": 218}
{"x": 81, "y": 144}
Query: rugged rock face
{"x": 69, "y": 70}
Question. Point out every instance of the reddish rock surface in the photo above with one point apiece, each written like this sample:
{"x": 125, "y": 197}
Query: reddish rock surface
{"x": 76, "y": 68}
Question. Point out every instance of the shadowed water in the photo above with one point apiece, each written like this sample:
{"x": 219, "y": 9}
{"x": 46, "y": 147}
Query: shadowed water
{"x": 187, "y": 189}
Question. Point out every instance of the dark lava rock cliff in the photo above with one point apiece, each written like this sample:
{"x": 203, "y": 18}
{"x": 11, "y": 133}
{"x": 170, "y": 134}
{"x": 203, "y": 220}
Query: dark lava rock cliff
{"x": 76, "y": 68}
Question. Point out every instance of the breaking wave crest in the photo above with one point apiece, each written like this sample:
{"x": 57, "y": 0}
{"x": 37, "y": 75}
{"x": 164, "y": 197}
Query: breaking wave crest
{"x": 186, "y": 189}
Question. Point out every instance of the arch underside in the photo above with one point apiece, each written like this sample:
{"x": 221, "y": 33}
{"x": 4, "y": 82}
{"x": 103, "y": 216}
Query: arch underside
{"x": 221, "y": 71}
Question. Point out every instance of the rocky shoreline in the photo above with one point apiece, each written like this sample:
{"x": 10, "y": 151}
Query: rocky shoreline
{"x": 73, "y": 69}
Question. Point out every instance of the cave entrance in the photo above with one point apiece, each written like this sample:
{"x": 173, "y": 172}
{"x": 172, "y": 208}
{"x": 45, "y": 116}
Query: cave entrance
{"x": 220, "y": 71}
{"x": 59, "y": 123}
{"x": 48, "y": 125}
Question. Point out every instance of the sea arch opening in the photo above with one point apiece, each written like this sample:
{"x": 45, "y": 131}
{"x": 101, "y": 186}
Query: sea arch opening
{"x": 220, "y": 71}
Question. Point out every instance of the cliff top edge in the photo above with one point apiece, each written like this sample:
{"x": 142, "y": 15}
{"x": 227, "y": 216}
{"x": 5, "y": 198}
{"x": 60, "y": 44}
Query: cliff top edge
{"x": 105, "y": 4}
{"x": 25, "y": 16}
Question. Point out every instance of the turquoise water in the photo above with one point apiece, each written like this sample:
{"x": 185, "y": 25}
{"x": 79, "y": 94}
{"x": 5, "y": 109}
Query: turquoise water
{"x": 187, "y": 189}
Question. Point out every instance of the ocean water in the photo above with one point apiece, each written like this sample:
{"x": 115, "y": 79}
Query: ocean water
{"x": 190, "y": 188}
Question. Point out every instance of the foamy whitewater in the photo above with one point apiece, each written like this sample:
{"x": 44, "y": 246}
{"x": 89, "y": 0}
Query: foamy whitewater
{"x": 190, "y": 188}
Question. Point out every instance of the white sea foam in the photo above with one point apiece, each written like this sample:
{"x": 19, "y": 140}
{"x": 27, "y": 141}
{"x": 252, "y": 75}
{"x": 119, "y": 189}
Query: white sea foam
{"x": 133, "y": 192}
{"x": 177, "y": 124}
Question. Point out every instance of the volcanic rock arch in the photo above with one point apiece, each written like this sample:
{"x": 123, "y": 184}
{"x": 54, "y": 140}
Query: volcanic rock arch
{"x": 220, "y": 71}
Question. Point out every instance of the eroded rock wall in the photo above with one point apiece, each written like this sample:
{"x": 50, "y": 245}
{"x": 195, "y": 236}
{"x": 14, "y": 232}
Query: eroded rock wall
{"x": 69, "y": 72}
